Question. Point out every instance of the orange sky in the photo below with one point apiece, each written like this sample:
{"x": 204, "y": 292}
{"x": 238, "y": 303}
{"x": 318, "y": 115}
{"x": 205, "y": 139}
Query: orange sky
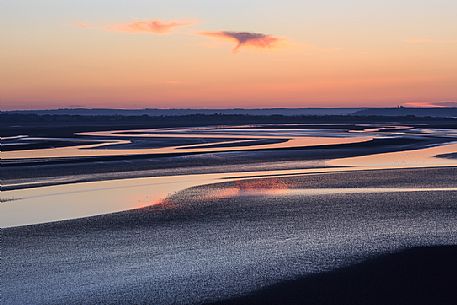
{"x": 237, "y": 54}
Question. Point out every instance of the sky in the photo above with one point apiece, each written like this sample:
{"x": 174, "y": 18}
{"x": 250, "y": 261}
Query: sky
{"x": 227, "y": 53}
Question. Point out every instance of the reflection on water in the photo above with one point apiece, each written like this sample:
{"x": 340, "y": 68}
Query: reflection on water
{"x": 233, "y": 192}
{"x": 93, "y": 150}
{"x": 401, "y": 159}
{"x": 234, "y": 136}
{"x": 235, "y": 140}
{"x": 93, "y": 198}
{"x": 52, "y": 203}
{"x": 272, "y": 186}
{"x": 45, "y": 204}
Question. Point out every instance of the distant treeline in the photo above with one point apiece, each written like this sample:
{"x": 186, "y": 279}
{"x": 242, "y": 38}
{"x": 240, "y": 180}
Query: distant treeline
{"x": 182, "y": 111}
{"x": 210, "y": 119}
{"x": 46, "y": 125}
{"x": 205, "y": 119}
{"x": 397, "y": 111}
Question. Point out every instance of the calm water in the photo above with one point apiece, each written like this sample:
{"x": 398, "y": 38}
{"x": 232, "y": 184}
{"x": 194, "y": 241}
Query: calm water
{"x": 53, "y": 203}
{"x": 296, "y": 138}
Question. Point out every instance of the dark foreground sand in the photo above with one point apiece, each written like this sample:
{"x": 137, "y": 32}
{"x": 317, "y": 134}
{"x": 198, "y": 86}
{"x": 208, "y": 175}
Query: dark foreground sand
{"x": 412, "y": 276}
{"x": 203, "y": 246}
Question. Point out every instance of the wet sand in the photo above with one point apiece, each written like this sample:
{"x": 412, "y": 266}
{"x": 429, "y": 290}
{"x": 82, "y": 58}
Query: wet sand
{"x": 413, "y": 276}
{"x": 208, "y": 244}
{"x": 18, "y": 174}
{"x": 450, "y": 156}
{"x": 300, "y": 138}
{"x": 292, "y": 220}
{"x": 70, "y": 201}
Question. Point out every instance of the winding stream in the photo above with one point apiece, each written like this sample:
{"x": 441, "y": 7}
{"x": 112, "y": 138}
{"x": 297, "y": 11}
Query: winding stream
{"x": 70, "y": 201}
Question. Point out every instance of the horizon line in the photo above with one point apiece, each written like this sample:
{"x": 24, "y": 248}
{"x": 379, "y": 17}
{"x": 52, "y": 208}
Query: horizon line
{"x": 223, "y": 109}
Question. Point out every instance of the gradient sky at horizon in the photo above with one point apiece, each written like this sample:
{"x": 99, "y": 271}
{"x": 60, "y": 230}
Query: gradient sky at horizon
{"x": 351, "y": 53}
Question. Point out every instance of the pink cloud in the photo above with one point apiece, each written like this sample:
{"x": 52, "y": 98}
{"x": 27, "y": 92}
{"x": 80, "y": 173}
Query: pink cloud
{"x": 242, "y": 39}
{"x": 431, "y": 104}
{"x": 149, "y": 26}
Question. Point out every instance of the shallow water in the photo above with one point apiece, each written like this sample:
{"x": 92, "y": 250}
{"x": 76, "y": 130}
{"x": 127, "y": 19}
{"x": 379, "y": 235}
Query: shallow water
{"x": 236, "y": 136}
{"x": 215, "y": 243}
{"x": 295, "y": 138}
{"x": 70, "y": 201}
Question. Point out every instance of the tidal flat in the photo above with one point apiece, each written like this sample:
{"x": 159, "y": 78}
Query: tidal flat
{"x": 258, "y": 214}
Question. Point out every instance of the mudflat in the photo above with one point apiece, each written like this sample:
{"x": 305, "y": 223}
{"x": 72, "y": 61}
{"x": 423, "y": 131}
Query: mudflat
{"x": 222, "y": 241}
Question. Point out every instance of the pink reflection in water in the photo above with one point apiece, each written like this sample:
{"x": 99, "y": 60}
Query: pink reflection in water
{"x": 294, "y": 140}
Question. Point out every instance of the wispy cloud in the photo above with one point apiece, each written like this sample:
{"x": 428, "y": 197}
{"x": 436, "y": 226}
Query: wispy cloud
{"x": 139, "y": 26}
{"x": 149, "y": 26}
{"x": 242, "y": 39}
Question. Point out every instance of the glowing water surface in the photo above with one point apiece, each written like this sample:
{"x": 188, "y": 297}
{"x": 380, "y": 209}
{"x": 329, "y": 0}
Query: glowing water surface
{"x": 53, "y": 203}
{"x": 294, "y": 137}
